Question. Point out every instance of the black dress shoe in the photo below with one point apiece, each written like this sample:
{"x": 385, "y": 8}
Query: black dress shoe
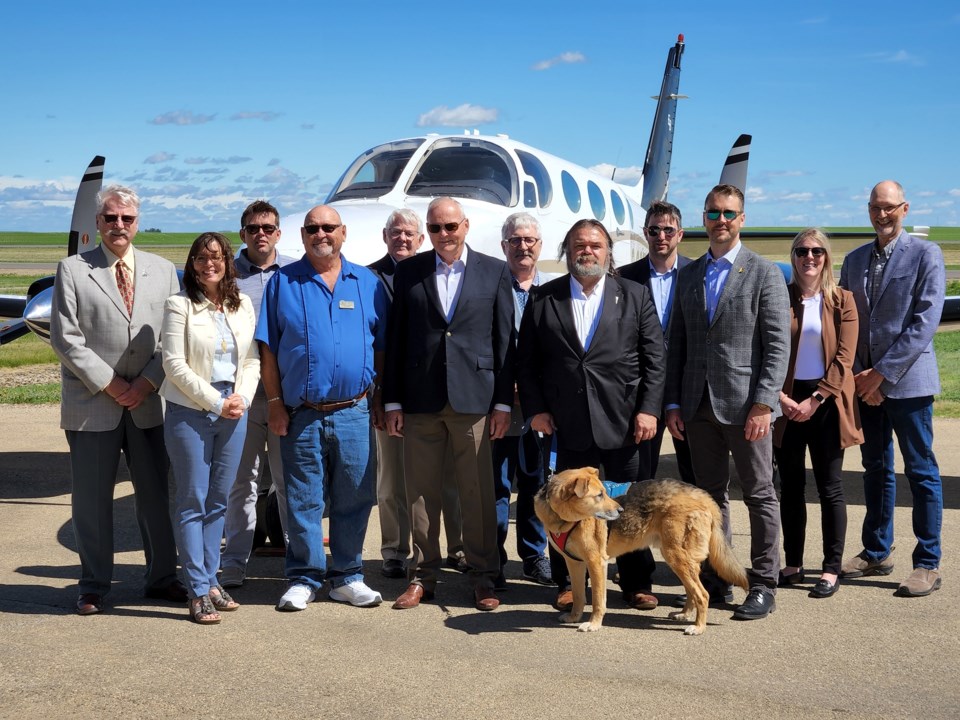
{"x": 393, "y": 568}
{"x": 175, "y": 592}
{"x": 825, "y": 588}
{"x": 89, "y": 604}
{"x": 791, "y": 579}
{"x": 759, "y": 603}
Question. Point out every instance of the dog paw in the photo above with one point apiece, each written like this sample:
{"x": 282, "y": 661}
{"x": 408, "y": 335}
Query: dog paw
{"x": 589, "y": 627}
{"x": 569, "y": 618}
{"x": 682, "y": 615}
{"x": 693, "y": 630}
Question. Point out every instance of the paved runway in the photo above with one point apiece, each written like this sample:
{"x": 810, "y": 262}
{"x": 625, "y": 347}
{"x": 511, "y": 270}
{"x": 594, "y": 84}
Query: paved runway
{"x": 861, "y": 654}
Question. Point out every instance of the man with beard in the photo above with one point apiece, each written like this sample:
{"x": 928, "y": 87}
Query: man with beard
{"x": 897, "y": 282}
{"x": 590, "y": 364}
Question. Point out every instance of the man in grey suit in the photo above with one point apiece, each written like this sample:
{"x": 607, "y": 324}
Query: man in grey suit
{"x": 727, "y": 359}
{"x": 105, "y": 328}
{"x": 897, "y": 282}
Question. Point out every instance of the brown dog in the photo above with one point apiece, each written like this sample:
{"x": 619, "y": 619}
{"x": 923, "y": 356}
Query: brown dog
{"x": 681, "y": 519}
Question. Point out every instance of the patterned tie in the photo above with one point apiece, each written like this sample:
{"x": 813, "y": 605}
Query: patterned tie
{"x": 125, "y": 286}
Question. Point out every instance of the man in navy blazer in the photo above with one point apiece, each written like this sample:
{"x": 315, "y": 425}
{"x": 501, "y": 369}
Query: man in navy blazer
{"x": 658, "y": 272}
{"x": 897, "y": 282}
{"x": 448, "y": 388}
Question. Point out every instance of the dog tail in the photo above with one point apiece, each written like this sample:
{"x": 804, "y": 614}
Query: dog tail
{"x": 722, "y": 558}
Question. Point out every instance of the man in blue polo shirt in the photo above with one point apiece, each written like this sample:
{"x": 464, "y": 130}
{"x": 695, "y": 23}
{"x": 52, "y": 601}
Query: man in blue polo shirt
{"x": 322, "y": 336}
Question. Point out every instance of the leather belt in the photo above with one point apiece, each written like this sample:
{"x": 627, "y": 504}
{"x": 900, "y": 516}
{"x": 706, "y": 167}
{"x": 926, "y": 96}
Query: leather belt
{"x": 331, "y": 406}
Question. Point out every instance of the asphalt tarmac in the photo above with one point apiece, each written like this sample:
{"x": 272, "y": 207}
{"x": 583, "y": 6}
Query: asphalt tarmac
{"x": 863, "y": 653}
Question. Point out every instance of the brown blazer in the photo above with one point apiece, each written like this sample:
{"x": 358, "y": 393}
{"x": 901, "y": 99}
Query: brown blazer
{"x": 840, "y": 327}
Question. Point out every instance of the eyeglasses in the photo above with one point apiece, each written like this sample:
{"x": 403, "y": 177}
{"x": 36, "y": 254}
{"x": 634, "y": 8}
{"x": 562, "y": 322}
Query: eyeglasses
{"x": 112, "y": 219}
{"x": 887, "y": 209}
{"x": 326, "y": 227}
{"x": 400, "y": 232}
{"x": 801, "y": 252}
{"x": 655, "y": 230}
{"x": 727, "y": 214}
{"x": 204, "y": 259}
{"x": 254, "y": 229}
{"x": 517, "y": 241}
{"x": 434, "y": 228}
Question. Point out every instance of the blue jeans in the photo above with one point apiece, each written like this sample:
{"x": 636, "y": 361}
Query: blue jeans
{"x": 531, "y": 539}
{"x": 912, "y": 420}
{"x": 204, "y": 454}
{"x": 329, "y": 458}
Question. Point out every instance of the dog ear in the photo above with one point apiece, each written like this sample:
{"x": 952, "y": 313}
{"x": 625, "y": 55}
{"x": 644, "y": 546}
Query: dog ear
{"x": 583, "y": 485}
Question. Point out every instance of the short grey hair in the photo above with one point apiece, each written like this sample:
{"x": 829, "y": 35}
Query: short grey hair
{"x": 124, "y": 194}
{"x": 519, "y": 220}
{"x": 404, "y": 216}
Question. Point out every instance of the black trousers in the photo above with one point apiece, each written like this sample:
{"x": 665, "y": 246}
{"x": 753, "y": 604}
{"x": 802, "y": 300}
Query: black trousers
{"x": 626, "y": 464}
{"x": 821, "y": 434}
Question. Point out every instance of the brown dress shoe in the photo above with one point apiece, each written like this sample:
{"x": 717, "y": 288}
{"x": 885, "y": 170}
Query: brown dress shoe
{"x": 564, "y": 601}
{"x": 89, "y": 604}
{"x": 486, "y": 598}
{"x": 640, "y": 600}
{"x": 411, "y": 597}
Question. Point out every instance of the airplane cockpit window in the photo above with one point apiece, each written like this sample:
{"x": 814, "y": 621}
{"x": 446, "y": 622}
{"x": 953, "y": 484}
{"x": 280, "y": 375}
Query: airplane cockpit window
{"x": 376, "y": 171}
{"x": 571, "y": 191}
{"x": 597, "y": 203}
{"x": 618, "y": 210}
{"x": 464, "y": 167}
{"x": 536, "y": 169}
{"x": 529, "y": 194}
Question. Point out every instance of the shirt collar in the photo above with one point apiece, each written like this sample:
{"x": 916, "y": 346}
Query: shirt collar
{"x": 654, "y": 273}
{"x": 245, "y": 265}
{"x": 460, "y": 263}
{"x": 730, "y": 257}
{"x": 576, "y": 289}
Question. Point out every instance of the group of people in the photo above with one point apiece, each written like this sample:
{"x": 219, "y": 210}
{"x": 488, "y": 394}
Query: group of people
{"x": 432, "y": 382}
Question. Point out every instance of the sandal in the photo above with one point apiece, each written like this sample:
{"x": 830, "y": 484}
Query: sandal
{"x": 221, "y": 599}
{"x": 202, "y": 610}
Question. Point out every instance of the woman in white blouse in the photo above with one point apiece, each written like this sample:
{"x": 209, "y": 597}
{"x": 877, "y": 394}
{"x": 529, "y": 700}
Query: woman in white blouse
{"x": 212, "y": 369}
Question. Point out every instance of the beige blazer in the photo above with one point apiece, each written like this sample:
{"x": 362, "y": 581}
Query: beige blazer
{"x": 189, "y": 336}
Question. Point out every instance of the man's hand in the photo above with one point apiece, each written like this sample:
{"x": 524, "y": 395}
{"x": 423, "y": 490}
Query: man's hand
{"x": 394, "y": 423}
{"x": 868, "y": 382}
{"x": 543, "y": 423}
{"x": 757, "y": 426}
{"x": 803, "y": 411}
{"x": 278, "y": 419}
{"x": 874, "y": 398}
{"x": 133, "y": 395}
{"x": 499, "y": 424}
{"x": 675, "y": 423}
{"x": 377, "y": 418}
{"x": 644, "y": 427}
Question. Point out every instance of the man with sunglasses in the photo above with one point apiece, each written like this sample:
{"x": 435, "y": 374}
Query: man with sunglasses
{"x": 255, "y": 265}
{"x": 448, "y": 388}
{"x": 728, "y": 353}
{"x": 105, "y": 328}
{"x": 897, "y": 282}
{"x": 322, "y": 334}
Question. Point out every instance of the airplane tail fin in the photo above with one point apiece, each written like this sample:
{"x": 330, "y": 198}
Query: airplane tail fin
{"x": 83, "y": 226}
{"x": 656, "y": 165}
{"x": 735, "y": 168}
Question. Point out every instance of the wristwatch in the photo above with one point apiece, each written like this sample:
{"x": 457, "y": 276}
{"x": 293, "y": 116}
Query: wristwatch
{"x": 819, "y": 398}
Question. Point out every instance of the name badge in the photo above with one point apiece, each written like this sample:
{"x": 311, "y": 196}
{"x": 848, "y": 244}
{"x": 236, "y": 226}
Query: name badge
{"x": 346, "y": 304}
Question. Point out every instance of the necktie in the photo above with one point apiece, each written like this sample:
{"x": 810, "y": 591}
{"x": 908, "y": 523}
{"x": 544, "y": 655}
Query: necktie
{"x": 125, "y": 286}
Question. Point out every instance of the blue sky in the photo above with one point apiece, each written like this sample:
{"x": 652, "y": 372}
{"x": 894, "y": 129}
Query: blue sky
{"x": 204, "y": 106}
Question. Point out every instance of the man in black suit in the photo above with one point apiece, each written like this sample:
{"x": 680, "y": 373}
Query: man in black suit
{"x": 591, "y": 368}
{"x": 448, "y": 388}
{"x": 658, "y": 272}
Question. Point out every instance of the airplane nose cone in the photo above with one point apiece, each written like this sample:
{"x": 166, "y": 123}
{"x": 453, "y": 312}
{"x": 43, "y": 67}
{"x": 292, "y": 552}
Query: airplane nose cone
{"x": 36, "y": 315}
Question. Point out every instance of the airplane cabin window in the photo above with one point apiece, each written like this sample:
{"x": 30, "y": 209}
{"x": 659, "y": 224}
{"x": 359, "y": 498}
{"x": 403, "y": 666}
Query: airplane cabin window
{"x": 467, "y": 168}
{"x": 618, "y": 210}
{"x": 571, "y": 191}
{"x": 536, "y": 169}
{"x": 374, "y": 173}
{"x": 597, "y": 203}
{"x": 529, "y": 195}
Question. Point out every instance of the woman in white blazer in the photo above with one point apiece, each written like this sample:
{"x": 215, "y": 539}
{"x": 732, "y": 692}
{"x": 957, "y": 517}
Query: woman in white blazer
{"x": 212, "y": 369}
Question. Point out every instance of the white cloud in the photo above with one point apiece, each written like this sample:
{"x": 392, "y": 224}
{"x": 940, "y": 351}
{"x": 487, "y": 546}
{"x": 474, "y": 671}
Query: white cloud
{"x": 797, "y": 196}
{"x": 563, "y": 58}
{"x": 955, "y": 192}
{"x": 900, "y": 56}
{"x": 265, "y": 115}
{"x": 460, "y": 116}
{"x": 181, "y": 117}
{"x": 625, "y": 175}
{"x": 159, "y": 157}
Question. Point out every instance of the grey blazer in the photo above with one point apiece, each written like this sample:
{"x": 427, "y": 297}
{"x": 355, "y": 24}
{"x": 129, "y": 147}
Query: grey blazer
{"x": 896, "y": 335}
{"x": 742, "y": 356}
{"x": 95, "y": 338}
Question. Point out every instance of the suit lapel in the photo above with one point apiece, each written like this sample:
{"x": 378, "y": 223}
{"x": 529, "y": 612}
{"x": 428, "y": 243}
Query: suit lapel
{"x": 609, "y": 313}
{"x": 430, "y": 282}
{"x": 893, "y": 264}
{"x": 104, "y": 277}
{"x": 561, "y": 304}
{"x": 739, "y": 271}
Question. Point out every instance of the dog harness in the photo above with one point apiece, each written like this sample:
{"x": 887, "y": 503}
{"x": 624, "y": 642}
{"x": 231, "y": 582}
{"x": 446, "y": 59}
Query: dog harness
{"x": 559, "y": 541}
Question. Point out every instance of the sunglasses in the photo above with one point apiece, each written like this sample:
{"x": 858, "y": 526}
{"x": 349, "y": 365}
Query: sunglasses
{"x": 727, "y": 214}
{"x": 801, "y": 252}
{"x": 434, "y": 228}
{"x": 655, "y": 230}
{"x": 111, "y": 219}
{"x": 326, "y": 227}
{"x": 254, "y": 229}
{"x": 517, "y": 241}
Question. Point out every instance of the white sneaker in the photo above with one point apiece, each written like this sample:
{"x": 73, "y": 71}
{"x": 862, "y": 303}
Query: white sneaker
{"x": 232, "y": 577}
{"x": 297, "y": 597}
{"x": 357, "y": 594}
